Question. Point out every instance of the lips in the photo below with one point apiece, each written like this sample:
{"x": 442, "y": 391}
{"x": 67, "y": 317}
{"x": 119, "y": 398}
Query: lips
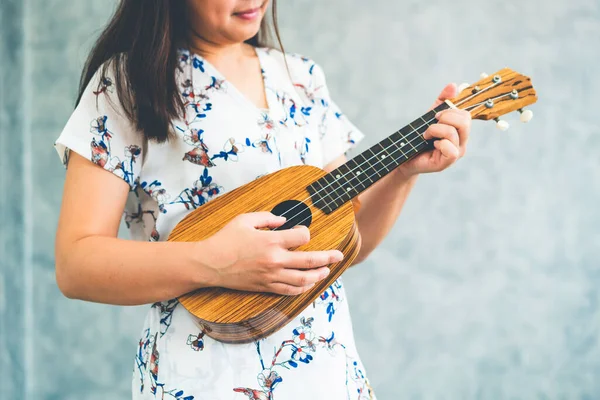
{"x": 250, "y": 13}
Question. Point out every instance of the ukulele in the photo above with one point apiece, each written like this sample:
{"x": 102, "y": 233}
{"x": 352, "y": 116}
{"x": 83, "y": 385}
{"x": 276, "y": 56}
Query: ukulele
{"x": 323, "y": 202}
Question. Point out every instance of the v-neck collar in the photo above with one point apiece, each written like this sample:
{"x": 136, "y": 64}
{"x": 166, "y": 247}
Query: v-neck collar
{"x": 234, "y": 91}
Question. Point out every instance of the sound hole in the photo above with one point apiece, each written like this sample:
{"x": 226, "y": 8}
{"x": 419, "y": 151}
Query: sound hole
{"x": 296, "y": 212}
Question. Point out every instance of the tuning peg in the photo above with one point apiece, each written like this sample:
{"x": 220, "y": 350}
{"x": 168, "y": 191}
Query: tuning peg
{"x": 526, "y": 115}
{"x": 483, "y": 75}
{"x": 463, "y": 86}
{"x": 501, "y": 124}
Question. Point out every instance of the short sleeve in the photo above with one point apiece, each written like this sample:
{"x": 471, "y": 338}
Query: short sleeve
{"x": 100, "y": 131}
{"x": 337, "y": 133}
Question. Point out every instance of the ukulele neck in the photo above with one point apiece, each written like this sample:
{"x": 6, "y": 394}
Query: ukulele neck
{"x": 355, "y": 176}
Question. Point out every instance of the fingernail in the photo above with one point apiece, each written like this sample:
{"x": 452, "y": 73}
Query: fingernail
{"x": 437, "y": 116}
{"x": 325, "y": 273}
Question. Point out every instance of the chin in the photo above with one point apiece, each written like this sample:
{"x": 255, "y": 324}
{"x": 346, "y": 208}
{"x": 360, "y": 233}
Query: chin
{"x": 243, "y": 34}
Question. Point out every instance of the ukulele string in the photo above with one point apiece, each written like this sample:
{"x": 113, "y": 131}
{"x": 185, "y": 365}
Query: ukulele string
{"x": 339, "y": 196}
{"x": 470, "y": 108}
{"x": 370, "y": 176}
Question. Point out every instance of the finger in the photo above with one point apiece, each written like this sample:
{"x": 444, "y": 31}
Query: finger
{"x": 459, "y": 119}
{"x": 448, "y": 149}
{"x": 290, "y": 238}
{"x": 287, "y": 290}
{"x": 442, "y": 131}
{"x": 301, "y": 278}
{"x": 312, "y": 259}
{"x": 449, "y": 91}
{"x": 263, "y": 219}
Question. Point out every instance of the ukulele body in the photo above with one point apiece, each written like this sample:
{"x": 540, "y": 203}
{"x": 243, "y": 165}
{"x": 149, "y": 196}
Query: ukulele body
{"x": 238, "y": 317}
{"x": 233, "y": 316}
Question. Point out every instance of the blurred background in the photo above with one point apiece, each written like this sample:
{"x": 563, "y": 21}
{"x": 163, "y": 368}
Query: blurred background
{"x": 488, "y": 287}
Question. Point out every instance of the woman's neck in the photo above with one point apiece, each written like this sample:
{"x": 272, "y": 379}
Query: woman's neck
{"x": 238, "y": 63}
{"x": 224, "y": 54}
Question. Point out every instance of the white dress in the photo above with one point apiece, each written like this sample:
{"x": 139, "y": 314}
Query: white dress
{"x": 225, "y": 141}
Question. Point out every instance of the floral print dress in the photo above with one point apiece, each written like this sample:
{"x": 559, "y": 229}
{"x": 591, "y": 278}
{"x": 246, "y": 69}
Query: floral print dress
{"x": 224, "y": 141}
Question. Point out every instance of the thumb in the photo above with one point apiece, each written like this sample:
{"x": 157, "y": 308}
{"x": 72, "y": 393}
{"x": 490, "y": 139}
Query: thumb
{"x": 448, "y": 92}
{"x": 264, "y": 219}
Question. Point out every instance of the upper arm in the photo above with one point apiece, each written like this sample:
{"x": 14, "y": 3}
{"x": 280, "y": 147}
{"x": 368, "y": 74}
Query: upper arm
{"x": 102, "y": 151}
{"x": 92, "y": 204}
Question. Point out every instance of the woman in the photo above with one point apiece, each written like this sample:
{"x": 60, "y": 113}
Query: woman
{"x": 181, "y": 102}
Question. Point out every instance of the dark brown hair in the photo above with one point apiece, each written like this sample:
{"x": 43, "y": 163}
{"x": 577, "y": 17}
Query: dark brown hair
{"x": 140, "y": 43}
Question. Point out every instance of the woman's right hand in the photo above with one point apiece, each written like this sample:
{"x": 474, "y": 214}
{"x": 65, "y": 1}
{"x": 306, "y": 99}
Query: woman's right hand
{"x": 244, "y": 257}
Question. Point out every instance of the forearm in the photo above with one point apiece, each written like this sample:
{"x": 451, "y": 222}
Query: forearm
{"x": 125, "y": 272}
{"x": 381, "y": 205}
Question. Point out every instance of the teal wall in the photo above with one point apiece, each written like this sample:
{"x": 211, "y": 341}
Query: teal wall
{"x": 488, "y": 287}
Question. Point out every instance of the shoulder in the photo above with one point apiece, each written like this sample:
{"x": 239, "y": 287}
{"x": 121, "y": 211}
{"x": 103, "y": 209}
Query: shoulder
{"x": 106, "y": 84}
{"x": 107, "y": 105}
{"x": 107, "y": 73}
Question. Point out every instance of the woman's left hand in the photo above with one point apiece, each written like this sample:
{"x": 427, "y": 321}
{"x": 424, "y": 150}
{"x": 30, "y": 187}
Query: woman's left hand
{"x": 452, "y": 132}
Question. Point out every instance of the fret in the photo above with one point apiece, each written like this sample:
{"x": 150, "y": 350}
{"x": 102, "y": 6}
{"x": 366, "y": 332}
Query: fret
{"x": 408, "y": 134}
{"x": 371, "y": 160}
{"x": 396, "y": 136}
{"x": 347, "y": 188}
{"x": 405, "y": 149}
{"x": 382, "y": 162}
{"x": 411, "y": 139}
{"x": 352, "y": 177}
{"x": 345, "y": 179}
{"x": 399, "y": 155}
{"x": 385, "y": 144}
{"x": 441, "y": 107}
{"x": 379, "y": 155}
{"x": 341, "y": 196}
{"x": 419, "y": 141}
{"x": 361, "y": 180}
{"x": 422, "y": 123}
{"x": 390, "y": 152}
{"x": 422, "y": 146}
{"x": 323, "y": 192}
{"x": 429, "y": 118}
{"x": 338, "y": 190}
{"x": 398, "y": 148}
{"x": 339, "y": 179}
{"x": 315, "y": 198}
{"x": 362, "y": 165}
{"x": 410, "y": 151}
{"x": 385, "y": 160}
{"x": 401, "y": 148}
{"x": 399, "y": 144}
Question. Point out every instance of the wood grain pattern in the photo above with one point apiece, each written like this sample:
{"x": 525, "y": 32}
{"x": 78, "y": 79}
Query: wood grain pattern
{"x": 503, "y": 103}
{"x": 238, "y": 317}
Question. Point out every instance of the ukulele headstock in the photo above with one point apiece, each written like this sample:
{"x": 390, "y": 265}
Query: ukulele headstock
{"x": 496, "y": 95}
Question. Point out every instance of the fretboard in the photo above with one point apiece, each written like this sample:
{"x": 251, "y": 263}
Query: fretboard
{"x": 350, "y": 179}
